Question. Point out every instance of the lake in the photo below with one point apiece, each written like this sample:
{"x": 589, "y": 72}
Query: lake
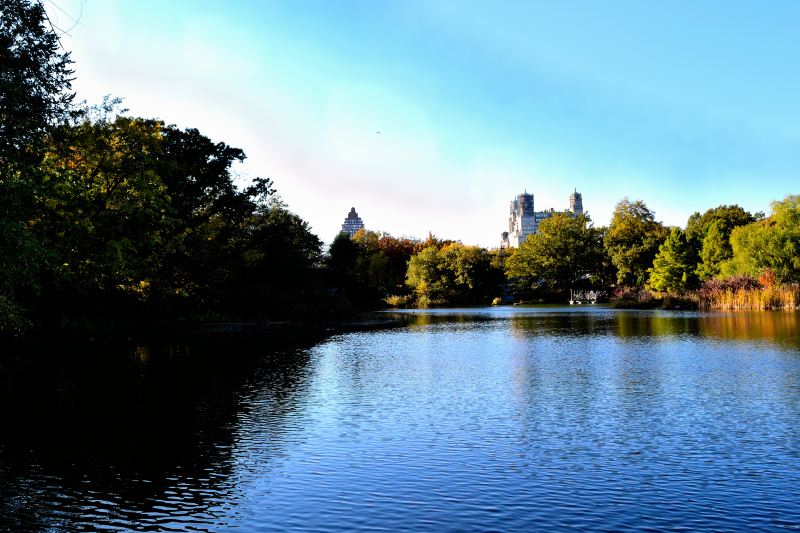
{"x": 510, "y": 419}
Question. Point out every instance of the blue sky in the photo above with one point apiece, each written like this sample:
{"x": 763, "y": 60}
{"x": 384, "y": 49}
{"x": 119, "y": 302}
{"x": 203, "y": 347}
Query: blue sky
{"x": 685, "y": 105}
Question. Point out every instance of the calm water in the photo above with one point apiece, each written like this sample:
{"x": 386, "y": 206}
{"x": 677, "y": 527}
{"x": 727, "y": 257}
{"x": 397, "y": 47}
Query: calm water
{"x": 472, "y": 419}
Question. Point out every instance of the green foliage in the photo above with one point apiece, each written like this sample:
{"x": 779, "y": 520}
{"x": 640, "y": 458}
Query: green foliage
{"x": 212, "y": 221}
{"x": 104, "y": 207}
{"x": 673, "y": 267}
{"x": 565, "y": 252}
{"x": 453, "y": 273}
{"x": 343, "y": 253}
{"x": 725, "y": 218}
{"x": 275, "y": 259}
{"x": 136, "y": 211}
{"x": 12, "y": 318}
{"x": 382, "y": 260}
{"x": 607, "y": 271}
{"x": 716, "y": 249}
{"x": 425, "y": 275}
{"x": 632, "y": 241}
{"x": 34, "y": 94}
{"x": 377, "y": 271}
{"x": 772, "y": 244}
{"x": 34, "y": 85}
{"x": 469, "y": 271}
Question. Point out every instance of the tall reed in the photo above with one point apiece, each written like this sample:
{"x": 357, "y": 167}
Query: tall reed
{"x": 786, "y": 296}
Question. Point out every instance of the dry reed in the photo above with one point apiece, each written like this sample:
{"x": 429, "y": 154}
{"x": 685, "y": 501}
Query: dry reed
{"x": 785, "y": 296}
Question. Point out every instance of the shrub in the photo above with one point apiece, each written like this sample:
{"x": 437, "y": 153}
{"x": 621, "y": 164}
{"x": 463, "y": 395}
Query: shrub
{"x": 397, "y": 300}
{"x": 12, "y": 320}
{"x": 733, "y": 283}
{"x": 633, "y": 297}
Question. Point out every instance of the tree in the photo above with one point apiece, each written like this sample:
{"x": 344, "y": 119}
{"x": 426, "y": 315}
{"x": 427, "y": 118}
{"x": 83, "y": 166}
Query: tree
{"x": 771, "y": 244}
{"x": 142, "y": 215}
{"x": 673, "y": 266}
{"x": 470, "y": 275}
{"x": 211, "y": 219}
{"x": 383, "y": 259}
{"x": 398, "y": 252}
{"x": 34, "y": 95}
{"x": 424, "y": 275}
{"x": 454, "y": 273}
{"x": 343, "y": 253}
{"x": 716, "y": 249}
{"x": 377, "y": 271}
{"x": 632, "y": 241}
{"x": 275, "y": 261}
{"x": 34, "y": 82}
{"x": 726, "y": 218}
{"x": 565, "y": 252}
{"x": 104, "y": 208}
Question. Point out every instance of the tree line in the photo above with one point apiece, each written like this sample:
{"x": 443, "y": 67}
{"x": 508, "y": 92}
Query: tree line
{"x": 103, "y": 215}
{"x": 725, "y": 246}
{"x": 405, "y": 271}
{"x": 634, "y": 253}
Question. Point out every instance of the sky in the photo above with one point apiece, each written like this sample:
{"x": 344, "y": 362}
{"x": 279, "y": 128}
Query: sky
{"x": 430, "y": 116}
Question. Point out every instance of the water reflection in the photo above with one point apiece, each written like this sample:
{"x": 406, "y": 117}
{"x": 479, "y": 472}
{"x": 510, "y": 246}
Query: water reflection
{"x": 620, "y": 413}
{"x": 466, "y": 419}
{"x": 779, "y": 327}
{"x": 145, "y": 435}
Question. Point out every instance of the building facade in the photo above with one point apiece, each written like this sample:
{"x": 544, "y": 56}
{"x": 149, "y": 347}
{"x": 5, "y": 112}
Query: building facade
{"x": 524, "y": 220}
{"x": 521, "y": 219}
{"x": 352, "y": 223}
{"x": 576, "y": 203}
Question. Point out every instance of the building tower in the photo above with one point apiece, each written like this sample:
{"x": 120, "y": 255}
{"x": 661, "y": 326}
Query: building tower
{"x": 504, "y": 242}
{"x": 522, "y": 220}
{"x": 576, "y": 203}
{"x": 352, "y": 223}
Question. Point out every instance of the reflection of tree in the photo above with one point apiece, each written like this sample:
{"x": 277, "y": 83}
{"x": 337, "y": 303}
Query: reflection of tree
{"x": 637, "y": 324}
{"x": 655, "y": 396}
{"x": 560, "y": 324}
{"x": 134, "y": 437}
{"x": 566, "y": 379}
{"x": 780, "y": 327}
{"x": 440, "y": 316}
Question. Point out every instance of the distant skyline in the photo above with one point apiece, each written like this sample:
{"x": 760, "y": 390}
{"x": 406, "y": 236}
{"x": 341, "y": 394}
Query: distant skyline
{"x": 685, "y": 105}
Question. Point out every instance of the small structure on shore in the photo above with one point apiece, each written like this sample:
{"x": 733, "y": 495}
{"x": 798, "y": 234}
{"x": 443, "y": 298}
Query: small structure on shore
{"x": 577, "y": 297}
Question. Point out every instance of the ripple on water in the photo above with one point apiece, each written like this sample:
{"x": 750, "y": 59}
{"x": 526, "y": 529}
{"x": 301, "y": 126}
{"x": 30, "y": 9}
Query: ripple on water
{"x": 463, "y": 420}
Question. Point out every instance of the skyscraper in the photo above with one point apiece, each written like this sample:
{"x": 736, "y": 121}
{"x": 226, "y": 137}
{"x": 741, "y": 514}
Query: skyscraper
{"x": 524, "y": 221}
{"x": 352, "y": 223}
{"x": 521, "y": 220}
